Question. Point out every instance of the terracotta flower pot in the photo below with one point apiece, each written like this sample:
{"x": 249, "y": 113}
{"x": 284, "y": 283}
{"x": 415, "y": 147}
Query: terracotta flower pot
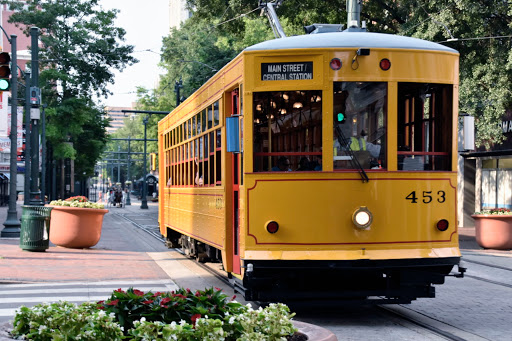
{"x": 75, "y": 227}
{"x": 493, "y": 231}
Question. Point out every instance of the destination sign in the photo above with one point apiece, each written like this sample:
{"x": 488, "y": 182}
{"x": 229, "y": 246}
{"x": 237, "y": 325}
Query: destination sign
{"x": 286, "y": 71}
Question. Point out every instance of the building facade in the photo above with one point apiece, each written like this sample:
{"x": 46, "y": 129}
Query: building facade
{"x": 178, "y": 13}
{"x": 485, "y": 176}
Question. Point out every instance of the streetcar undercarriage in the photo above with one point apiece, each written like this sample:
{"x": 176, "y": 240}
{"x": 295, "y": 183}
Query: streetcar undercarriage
{"x": 345, "y": 281}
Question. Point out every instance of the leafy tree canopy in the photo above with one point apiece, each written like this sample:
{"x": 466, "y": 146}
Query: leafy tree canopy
{"x": 80, "y": 49}
{"x": 479, "y": 30}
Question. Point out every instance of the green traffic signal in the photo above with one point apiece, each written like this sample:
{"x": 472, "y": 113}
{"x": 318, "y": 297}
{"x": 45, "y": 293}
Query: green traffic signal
{"x": 5, "y": 71}
{"x": 4, "y": 85}
{"x": 341, "y": 117}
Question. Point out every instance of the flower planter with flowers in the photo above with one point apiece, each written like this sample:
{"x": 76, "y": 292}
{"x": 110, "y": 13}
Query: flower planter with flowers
{"x": 178, "y": 315}
{"x": 493, "y": 228}
{"x": 76, "y": 222}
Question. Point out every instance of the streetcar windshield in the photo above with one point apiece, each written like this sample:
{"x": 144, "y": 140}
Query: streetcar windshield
{"x": 287, "y": 131}
{"x": 359, "y": 110}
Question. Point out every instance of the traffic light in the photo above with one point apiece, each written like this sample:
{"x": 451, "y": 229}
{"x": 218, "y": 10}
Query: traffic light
{"x": 5, "y": 71}
{"x": 341, "y": 118}
{"x": 152, "y": 161}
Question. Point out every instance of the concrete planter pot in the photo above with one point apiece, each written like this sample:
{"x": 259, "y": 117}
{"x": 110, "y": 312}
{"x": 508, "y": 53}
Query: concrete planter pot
{"x": 75, "y": 227}
{"x": 493, "y": 231}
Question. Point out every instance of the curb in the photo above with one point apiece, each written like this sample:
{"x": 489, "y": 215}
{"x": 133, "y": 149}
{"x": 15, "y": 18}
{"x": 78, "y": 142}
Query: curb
{"x": 313, "y": 332}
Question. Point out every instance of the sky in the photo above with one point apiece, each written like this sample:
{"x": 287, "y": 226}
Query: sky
{"x": 146, "y": 23}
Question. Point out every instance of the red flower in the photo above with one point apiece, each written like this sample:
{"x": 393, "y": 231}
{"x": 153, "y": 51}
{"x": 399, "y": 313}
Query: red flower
{"x": 165, "y": 300}
{"x": 100, "y": 302}
{"x": 147, "y": 302}
{"x": 188, "y": 290}
{"x": 158, "y": 293}
{"x": 101, "y": 307}
{"x": 114, "y": 302}
{"x": 232, "y": 298}
{"x": 138, "y": 292}
{"x": 218, "y": 289}
{"x": 179, "y": 295}
{"x": 197, "y": 293}
{"x": 194, "y": 318}
{"x": 119, "y": 290}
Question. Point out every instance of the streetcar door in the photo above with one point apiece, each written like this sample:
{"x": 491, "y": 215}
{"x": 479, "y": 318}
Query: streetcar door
{"x": 235, "y": 187}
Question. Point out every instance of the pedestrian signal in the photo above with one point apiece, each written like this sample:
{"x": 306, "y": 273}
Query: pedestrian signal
{"x": 152, "y": 161}
{"x": 5, "y": 71}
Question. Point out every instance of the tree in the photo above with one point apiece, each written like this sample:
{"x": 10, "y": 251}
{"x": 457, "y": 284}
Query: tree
{"x": 479, "y": 30}
{"x": 81, "y": 48}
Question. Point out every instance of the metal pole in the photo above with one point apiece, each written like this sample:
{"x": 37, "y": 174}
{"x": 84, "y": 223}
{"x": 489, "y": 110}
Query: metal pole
{"x": 26, "y": 190}
{"x": 35, "y": 193}
{"x": 43, "y": 155}
{"x": 12, "y": 224}
{"x": 128, "y": 201}
{"x": 119, "y": 164}
{"x": 144, "y": 203}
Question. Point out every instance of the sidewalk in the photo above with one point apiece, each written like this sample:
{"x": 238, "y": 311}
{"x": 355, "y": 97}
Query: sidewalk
{"x": 121, "y": 254}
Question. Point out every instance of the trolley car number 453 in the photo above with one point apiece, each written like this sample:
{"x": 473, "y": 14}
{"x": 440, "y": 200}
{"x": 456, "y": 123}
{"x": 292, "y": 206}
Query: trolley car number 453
{"x": 427, "y": 197}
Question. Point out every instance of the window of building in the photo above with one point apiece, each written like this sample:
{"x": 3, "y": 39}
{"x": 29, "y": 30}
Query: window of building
{"x": 287, "y": 130}
{"x": 424, "y": 129}
{"x": 360, "y": 110}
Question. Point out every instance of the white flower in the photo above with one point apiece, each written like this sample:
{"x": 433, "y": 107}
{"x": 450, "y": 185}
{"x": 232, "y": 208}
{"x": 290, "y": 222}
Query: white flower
{"x": 182, "y": 322}
{"x": 101, "y": 313}
{"x": 42, "y": 328}
{"x": 142, "y": 319}
{"x": 231, "y": 320}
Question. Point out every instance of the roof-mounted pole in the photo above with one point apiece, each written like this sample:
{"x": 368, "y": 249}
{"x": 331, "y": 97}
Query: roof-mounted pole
{"x": 270, "y": 12}
{"x": 353, "y": 13}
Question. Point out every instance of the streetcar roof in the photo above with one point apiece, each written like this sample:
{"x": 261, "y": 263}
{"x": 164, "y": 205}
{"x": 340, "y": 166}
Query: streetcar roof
{"x": 350, "y": 40}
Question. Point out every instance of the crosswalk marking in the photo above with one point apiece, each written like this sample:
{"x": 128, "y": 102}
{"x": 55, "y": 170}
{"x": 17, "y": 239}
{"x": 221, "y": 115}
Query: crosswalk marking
{"x": 12, "y": 296}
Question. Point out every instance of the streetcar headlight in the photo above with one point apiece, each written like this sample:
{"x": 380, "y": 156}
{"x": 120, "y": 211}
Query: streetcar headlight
{"x": 362, "y": 217}
{"x": 272, "y": 226}
{"x": 442, "y": 225}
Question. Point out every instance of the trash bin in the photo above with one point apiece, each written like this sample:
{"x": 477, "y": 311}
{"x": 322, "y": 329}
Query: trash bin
{"x": 35, "y": 228}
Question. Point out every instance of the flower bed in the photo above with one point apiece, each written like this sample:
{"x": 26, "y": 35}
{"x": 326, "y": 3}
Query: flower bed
{"x": 134, "y": 315}
{"x": 77, "y": 201}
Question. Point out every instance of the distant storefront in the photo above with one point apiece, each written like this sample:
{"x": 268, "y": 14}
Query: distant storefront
{"x": 487, "y": 176}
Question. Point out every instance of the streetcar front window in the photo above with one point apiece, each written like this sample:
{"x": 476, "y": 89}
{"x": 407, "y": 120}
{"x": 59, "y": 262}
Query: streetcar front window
{"x": 287, "y": 131}
{"x": 424, "y": 132}
{"x": 360, "y": 110}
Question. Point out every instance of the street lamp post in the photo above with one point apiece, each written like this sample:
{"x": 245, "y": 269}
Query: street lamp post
{"x": 128, "y": 201}
{"x": 144, "y": 203}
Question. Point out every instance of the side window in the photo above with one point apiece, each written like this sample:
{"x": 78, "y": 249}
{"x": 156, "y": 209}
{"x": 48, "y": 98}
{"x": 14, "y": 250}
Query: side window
{"x": 424, "y": 131}
{"x": 359, "y": 134}
{"x": 287, "y": 131}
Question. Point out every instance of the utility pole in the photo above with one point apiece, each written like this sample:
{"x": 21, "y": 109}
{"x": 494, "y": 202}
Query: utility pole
{"x": 28, "y": 149}
{"x": 12, "y": 224}
{"x": 177, "y": 86}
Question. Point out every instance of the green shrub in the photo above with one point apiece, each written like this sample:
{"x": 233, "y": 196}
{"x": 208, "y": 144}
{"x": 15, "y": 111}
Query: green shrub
{"x": 65, "y": 321}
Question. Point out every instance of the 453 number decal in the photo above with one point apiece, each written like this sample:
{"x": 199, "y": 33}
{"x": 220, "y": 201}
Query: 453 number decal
{"x": 427, "y": 197}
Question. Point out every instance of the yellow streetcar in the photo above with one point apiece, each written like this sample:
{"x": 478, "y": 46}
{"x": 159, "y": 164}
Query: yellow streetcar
{"x": 320, "y": 166}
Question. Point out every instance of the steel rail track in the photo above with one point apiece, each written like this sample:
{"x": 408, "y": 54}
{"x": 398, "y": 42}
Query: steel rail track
{"x": 430, "y": 327}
